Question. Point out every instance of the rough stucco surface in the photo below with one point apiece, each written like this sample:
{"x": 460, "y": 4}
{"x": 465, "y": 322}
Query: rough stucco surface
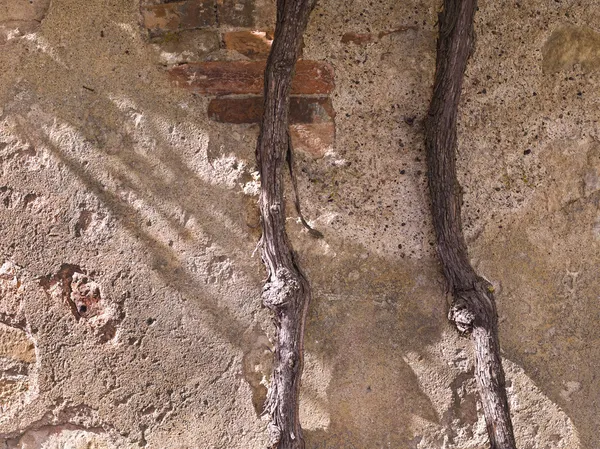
{"x": 116, "y": 185}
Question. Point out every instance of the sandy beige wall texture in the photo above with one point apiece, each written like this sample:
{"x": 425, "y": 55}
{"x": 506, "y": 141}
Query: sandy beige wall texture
{"x": 130, "y": 310}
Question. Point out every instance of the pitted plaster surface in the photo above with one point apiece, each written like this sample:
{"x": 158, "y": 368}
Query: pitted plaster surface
{"x": 110, "y": 174}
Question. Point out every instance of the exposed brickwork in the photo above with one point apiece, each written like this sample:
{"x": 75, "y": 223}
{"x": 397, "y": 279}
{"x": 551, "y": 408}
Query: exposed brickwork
{"x": 314, "y": 139}
{"x": 249, "y": 110}
{"x": 241, "y": 77}
{"x": 212, "y": 48}
{"x": 253, "y": 44}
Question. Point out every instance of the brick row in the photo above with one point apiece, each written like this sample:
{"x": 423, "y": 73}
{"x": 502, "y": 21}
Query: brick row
{"x": 190, "y": 31}
{"x": 246, "y": 77}
{"x": 238, "y": 110}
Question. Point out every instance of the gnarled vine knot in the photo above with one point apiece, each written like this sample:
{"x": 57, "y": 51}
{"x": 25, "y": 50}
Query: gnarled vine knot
{"x": 281, "y": 288}
{"x": 461, "y": 315}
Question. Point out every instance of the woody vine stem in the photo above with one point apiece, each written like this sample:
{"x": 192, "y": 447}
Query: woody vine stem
{"x": 474, "y": 309}
{"x": 286, "y": 291}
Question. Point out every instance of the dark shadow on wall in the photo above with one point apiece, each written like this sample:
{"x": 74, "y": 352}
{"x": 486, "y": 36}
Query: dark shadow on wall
{"x": 552, "y": 337}
{"x": 361, "y": 329}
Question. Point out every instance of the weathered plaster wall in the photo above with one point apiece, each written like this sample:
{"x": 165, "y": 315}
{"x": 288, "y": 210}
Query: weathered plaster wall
{"x": 130, "y": 309}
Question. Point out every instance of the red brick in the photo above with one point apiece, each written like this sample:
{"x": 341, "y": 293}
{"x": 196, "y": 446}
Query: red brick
{"x": 246, "y": 77}
{"x": 236, "y": 110}
{"x": 313, "y": 139}
{"x": 253, "y": 44}
{"x": 182, "y": 15}
{"x": 249, "y": 110}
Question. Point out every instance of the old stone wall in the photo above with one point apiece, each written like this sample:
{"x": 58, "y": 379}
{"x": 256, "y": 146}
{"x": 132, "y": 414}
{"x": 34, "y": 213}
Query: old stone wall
{"x": 130, "y": 310}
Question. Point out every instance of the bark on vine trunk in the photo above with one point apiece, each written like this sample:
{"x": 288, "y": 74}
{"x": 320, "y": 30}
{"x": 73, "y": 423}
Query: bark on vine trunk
{"x": 473, "y": 309}
{"x": 287, "y": 291}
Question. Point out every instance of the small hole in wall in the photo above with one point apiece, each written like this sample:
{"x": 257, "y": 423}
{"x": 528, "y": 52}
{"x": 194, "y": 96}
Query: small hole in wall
{"x": 82, "y": 309}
